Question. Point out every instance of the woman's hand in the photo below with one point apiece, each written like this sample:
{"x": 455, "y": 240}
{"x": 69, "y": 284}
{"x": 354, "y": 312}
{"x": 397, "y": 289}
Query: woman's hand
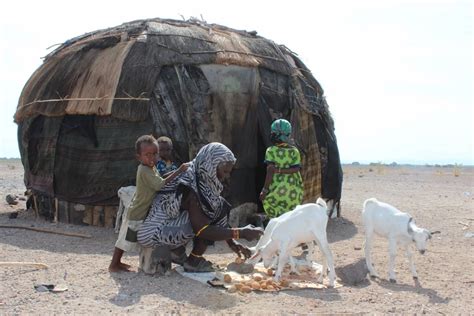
{"x": 250, "y": 233}
{"x": 239, "y": 249}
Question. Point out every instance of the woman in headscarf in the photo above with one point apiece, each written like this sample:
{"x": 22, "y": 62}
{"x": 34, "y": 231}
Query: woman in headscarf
{"x": 283, "y": 188}
{"x": 191, "y": 208}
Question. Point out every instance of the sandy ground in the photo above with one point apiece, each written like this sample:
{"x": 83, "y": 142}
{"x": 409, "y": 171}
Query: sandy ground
{"x": 436, "y": 197}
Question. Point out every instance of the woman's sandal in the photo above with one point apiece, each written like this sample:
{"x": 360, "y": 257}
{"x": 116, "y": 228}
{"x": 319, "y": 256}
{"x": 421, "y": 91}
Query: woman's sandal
{"x": 178, "y": 255}
{"x": 202, "y": 266}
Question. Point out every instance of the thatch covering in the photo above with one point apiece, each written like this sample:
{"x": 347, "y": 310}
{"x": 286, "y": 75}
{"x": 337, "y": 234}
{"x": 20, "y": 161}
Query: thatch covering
{"x": 81, "y": 111}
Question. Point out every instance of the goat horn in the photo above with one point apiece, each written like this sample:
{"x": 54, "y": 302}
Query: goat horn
{"x": 435, "y": 232}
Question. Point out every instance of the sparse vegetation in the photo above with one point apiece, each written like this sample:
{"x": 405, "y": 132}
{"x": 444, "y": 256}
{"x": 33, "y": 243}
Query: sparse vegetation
{"x": 457, "y": 169}
{"x": 379, "y": 166}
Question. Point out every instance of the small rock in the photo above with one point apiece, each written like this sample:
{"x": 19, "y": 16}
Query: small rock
{"x": 43, "y": 287}
{"x": 11, "y": 199}
{"x": 241, "y": 268}
{"x": 13, "y": 215}
{"x": 354, "y": 273}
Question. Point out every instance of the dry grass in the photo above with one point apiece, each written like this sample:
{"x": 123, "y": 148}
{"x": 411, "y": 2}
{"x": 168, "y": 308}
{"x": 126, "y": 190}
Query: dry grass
{"x": 457, "y": 169}
{"x": 379, "y": 167}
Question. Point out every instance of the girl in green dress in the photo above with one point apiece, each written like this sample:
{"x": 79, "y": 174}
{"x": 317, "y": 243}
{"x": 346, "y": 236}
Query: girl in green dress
{"x": 283, "y": 188}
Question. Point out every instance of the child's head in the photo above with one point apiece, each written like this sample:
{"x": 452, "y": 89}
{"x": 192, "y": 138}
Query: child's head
{"x": 166, "y": 147}
{"x": 280, "y": 131}
{"x": 147, "y": 150}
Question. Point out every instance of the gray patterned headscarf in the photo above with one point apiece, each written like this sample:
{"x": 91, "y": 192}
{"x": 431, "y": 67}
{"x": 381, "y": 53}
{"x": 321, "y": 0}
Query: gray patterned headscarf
{"x": 201, "y": 176}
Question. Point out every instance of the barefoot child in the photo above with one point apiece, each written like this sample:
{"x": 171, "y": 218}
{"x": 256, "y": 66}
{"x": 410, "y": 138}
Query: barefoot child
{"x": 148, "y": 182}
{"x": 165, "y": 165}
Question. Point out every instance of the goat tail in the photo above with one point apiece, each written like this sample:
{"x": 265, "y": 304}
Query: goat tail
{"x": 369, "y": 201}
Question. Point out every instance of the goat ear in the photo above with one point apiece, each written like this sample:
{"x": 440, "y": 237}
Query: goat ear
{"x": 321, "y": 202}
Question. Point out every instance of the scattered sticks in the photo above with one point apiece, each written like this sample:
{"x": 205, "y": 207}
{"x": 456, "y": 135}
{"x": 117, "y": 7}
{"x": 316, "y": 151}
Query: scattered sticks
{"x": 45, "y": 230}
{"x": 16, "y": 263}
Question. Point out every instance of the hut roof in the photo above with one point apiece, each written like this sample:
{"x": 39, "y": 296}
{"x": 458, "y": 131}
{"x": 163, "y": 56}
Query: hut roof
{"x": 82, "y": 76}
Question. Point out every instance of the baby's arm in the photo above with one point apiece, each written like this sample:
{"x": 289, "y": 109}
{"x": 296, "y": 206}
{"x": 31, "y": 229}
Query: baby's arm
{"x": 177, "y": 172}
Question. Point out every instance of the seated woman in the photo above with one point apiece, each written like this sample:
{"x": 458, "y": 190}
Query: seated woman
{"x": 191, "y": 208}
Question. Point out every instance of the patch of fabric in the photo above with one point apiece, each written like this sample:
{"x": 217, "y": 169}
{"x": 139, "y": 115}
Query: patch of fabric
{"x": 163, "y": 168}
{"x": 286, "y": 190}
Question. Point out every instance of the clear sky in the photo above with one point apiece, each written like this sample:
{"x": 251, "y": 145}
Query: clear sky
{"x": 398, "y": 75}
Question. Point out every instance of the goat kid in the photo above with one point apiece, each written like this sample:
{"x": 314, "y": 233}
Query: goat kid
{"x": 398, "y": 227}
{"x": 265, "y": 238}
{"x": 303, "y": 225}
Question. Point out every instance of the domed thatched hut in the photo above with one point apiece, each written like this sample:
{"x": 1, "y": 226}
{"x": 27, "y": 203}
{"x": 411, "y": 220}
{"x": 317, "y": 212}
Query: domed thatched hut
{"x": 82, "y": 110}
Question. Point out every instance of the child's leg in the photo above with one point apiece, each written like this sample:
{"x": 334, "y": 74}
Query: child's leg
{"x": 121, "y": 246}
{"x": 115, "y": 264}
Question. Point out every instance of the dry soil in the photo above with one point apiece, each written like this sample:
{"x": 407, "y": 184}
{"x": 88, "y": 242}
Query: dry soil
{"x": 438, "y": 198}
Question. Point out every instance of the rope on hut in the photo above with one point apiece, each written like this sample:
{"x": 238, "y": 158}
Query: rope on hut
{"x": 179, "y": 35}
{"x": 85, "y": 99}
{"x": 235, "y": 52}
{"x": 45, "y": 230}
{"x": 223, "y": 51}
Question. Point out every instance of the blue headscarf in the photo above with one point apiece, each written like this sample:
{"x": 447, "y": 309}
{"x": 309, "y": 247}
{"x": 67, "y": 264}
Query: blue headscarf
{"x": 281, "y": 131}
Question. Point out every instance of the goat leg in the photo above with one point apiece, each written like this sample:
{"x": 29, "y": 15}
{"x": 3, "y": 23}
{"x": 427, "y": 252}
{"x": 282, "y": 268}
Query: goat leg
{"x": 411, "y": 263}
{"x": 368, "y": 257}
{"x": 392, "y": 248}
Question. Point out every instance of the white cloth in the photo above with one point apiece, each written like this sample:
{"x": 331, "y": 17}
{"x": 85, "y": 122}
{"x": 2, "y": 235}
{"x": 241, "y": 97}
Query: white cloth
{"x": 125, "y": 195}
{"x": 122, "y": 243}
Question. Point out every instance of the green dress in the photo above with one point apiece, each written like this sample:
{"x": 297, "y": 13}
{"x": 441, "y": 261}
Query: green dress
{"x": 286, "y": 190}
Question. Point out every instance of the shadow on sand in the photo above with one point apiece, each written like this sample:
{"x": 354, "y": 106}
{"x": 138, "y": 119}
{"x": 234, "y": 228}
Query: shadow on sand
{"x": 340, "y": 229}
{"x": 416, "y": 288}
{"x": 171, "y": 286}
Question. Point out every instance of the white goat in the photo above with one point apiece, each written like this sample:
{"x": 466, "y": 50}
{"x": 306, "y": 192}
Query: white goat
{"x": 303, "y": 225}
{"x": 398, "y": 227}
{"x": 265, "y": 238}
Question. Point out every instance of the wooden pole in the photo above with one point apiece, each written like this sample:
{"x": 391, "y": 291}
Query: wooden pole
{"x": 35, "y": 203}
{"x": 45, "y": 230}
{"x": 66, "y": 214}
{"x": 56, "y": 210}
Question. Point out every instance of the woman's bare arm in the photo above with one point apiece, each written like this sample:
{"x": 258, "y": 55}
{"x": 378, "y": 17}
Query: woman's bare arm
{"x": 203, "y": 229}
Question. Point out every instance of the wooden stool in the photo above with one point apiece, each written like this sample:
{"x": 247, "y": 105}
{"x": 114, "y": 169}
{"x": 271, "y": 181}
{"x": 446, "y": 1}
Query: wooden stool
{"x": 155, "y": 260}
